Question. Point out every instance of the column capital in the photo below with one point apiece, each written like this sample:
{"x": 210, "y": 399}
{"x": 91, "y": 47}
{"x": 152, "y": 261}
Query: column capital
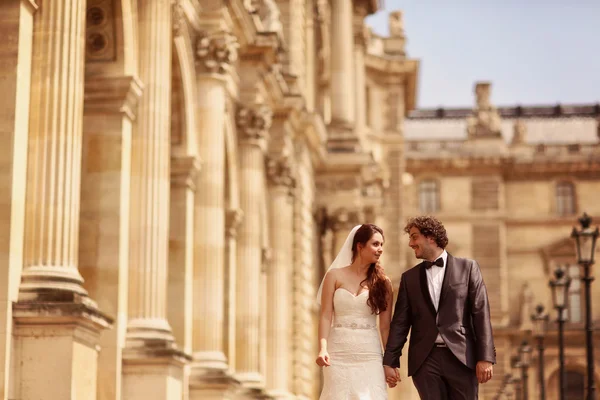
{"x": 112, "y": 94}
{"x": 184, "y": 171}
{"x": 253, "y": 123}
{"x": 280, "y": 172}
{"x": 233, "y": 219}
{"x": 216, "y": 52}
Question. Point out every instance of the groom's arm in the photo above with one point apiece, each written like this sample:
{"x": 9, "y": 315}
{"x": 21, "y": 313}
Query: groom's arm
{"x": 480, "y": 312}
{"x": 401, "y": 323}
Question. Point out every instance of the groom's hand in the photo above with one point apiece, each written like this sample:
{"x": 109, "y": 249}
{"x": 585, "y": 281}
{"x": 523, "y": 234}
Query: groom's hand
{"x": 392, "y": 376}
{"x": 484, "y": 371}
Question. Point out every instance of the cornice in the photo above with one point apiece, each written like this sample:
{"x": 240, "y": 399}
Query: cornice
{"x": 244, "y": 25}
{"x": 507, "y": 167}
{"x": 389, "y": 70}
{"x": 108, "y": 95}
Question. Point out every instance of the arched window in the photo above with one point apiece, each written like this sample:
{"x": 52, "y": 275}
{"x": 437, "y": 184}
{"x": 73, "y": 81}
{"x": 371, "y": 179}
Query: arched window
{"x": 429, "y": 201}
{"x": 575, "y": 385}
{"x": 565, "y": 198}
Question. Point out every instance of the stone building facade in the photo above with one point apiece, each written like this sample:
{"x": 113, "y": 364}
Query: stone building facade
{"x": 175, "y": 174}
{"x": 510, "y": 183}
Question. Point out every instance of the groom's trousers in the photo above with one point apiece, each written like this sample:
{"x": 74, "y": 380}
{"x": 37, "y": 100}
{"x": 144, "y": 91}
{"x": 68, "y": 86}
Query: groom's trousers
{"x": 443, "y": 377}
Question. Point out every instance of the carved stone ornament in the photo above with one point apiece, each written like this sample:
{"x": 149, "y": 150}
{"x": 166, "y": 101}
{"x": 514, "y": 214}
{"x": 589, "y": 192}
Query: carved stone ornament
{"x": 217, "y": 52}
{"x": 279, "y": 171}
{"x": 253, "y": 123}
{"x": 519, "y": 132}
{"x": 485, "y": 120}
{"x": 396, "y": 24}
{"x": 178, "y": 18}
{"x": 233, "y": 219}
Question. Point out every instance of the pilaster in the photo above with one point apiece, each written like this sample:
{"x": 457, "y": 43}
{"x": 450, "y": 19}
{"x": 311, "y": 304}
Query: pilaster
{"x": 109, "y": 111}
{"x": 253, "y": 122}
{"x": 184, "y": 173}
{"x": 279, "y": 276}
{"x": 16, "y": 27}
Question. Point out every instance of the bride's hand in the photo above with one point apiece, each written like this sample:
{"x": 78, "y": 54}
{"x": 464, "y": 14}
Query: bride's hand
{"x": 323, "y": 359}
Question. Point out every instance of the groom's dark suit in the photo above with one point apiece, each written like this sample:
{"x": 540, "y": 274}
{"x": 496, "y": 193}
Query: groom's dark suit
{"x": 462, "y": 320}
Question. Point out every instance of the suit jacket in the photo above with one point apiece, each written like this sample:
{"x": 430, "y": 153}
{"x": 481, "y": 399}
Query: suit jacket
{"x": 463, "y": 316}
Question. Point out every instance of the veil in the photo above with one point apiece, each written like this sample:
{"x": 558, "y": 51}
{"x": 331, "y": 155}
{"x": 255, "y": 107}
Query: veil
{"x": 343, "y": 259}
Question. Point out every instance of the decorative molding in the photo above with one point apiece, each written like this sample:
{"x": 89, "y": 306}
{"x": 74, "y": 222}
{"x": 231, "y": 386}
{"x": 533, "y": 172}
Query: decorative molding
{"x": 546, "y": 111}
{"x": 109, "y": 95}
{"x": 216, "y": 53}
{"x": 326, "y": 184}
{"x": 100, "y": 37}
{"x": 233, "y": 219}
{"x": 184, "y": 171}
{"x": 253, "y": 123}
{"x": 280, "y": 172}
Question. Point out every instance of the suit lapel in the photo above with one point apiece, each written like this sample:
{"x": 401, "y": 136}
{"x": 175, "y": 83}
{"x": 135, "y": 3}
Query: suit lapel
{"x": 449, "y": 268}
{"x": 425, "y": 288}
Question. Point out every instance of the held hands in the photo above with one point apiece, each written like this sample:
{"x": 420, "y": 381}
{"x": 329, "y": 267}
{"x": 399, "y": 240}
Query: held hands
{"x": 484, "y": 371}
{"x": 323, "y": 359}
{"x": 392, "y": 376}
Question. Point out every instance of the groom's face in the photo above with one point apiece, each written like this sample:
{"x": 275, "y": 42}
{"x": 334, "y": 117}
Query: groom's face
{"x": 422, "y": 246}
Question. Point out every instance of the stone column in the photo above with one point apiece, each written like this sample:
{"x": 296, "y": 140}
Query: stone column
{"x": 341, "y": 222}
{"x": 342, "y": 60}
{"x": 252, "y": 123}
{"x": 153, "y": 366}
{"x": 54, "y": 315}
{"x": 215, "y": 53}
{"x": 360, "y": 84}
{"x": 279, "y": 277}
{"x": 234, "y": 218}
{"x": 109, "y": 112}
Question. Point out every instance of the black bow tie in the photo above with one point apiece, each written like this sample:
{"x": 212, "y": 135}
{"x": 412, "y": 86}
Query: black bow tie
{"x": 439, "y": 262}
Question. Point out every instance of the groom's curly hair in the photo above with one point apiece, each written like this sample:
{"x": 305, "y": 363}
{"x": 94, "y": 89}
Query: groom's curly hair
{"x": 429, "y": 227}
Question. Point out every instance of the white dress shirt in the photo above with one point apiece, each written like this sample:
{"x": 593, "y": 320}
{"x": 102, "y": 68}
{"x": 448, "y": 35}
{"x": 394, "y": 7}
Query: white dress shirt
{"x": 435, "y": 278}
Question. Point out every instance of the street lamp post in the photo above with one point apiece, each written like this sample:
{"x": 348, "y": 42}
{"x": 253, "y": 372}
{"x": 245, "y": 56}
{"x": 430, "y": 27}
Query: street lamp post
{"x": 525, "y": 357}
{"x": 515, "y": 381}
{"x": 560, "y": 295}
{"x": 585, "y": 241}
{"x": 540, "y": 325}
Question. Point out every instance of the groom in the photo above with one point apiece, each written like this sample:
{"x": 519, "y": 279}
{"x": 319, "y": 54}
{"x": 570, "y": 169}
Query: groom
{"x": 443, "y": 302}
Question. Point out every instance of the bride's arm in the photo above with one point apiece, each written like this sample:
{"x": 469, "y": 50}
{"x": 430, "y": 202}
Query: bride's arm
{"x": 326, "y": 310}
{"x": 385, "y": 317}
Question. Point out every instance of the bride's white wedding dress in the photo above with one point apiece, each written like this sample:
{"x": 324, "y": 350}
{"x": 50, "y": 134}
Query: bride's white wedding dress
{"x": 355, "y": 352}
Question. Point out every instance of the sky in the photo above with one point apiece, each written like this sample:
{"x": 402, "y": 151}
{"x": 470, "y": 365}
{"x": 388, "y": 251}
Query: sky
{"x": 534, "y": 52}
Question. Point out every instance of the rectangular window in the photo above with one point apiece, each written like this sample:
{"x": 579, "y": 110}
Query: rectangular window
{"x": 428, "y": 196}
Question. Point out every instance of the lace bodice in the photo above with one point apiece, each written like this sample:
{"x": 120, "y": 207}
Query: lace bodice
{"x": 350, "y": 311}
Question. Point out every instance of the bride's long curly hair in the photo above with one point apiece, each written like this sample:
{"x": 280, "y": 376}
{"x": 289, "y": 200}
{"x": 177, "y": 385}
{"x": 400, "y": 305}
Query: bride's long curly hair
{"x": 376, "y": 279}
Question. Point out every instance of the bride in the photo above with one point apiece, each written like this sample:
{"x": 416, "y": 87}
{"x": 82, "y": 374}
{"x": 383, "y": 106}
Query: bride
{"x": 353, "y": 292}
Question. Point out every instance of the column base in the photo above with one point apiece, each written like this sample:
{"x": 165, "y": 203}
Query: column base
{"x": 251, "y": 380}
{"x": 154, "y": 370}
{"x": 142, "y": 330}
{"x": 54, "y": 339}
{"x": 210, "y": 360}
{"x": 341, "y": 138}
{"x": 255, "y": 394}
{"x": 213, "y": 385}
{"x": 39, "y": 280}
{"x": 281, "y": 395}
